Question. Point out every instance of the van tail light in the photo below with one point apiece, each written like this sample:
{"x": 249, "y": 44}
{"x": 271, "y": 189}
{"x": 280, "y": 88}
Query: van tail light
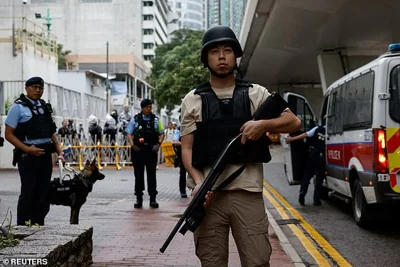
{"x": 380, "y": 161}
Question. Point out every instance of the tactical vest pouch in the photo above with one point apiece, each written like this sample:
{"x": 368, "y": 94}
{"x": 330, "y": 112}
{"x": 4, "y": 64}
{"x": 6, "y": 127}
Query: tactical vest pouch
{"x": 61, "y": 190}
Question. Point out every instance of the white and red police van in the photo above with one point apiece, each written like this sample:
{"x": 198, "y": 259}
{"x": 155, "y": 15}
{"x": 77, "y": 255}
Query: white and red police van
{"x": 361, "y": 112}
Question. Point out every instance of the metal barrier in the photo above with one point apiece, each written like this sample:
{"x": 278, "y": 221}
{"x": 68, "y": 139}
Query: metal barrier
{"x": 106, "y": 151}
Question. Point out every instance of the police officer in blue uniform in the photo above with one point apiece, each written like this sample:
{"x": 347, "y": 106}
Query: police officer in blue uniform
{"x": 177, "y": 143}
{"x": 145, "y": 134}
{"x": 315, "y": 162}
{"x": 31, "y": 129}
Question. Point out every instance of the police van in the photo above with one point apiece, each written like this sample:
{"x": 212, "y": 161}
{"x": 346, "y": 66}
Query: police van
{"x": 361, "y": 112}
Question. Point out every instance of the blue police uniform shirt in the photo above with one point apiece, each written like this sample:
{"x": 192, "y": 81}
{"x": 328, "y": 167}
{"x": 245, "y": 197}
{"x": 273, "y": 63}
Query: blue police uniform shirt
{"x": 132, "y": 125}
{"x": 177, "y": 135}
{"x": 19, "y": 113}
{"x": 311, "y": 132}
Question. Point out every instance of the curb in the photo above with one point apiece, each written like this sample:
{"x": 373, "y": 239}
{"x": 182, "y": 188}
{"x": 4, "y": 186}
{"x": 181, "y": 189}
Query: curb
{"x": 284, "y": 242}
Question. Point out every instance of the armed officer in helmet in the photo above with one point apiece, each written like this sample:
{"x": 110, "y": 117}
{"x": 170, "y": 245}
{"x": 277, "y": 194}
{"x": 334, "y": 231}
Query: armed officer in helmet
{"x": 315, "y": 162}
{"x": 145, "y": 134}
{"x": 31, "y": 129}
{"x": 212, "y": 114}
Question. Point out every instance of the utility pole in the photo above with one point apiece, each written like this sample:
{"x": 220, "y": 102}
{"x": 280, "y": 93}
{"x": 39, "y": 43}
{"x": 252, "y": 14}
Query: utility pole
{"x": 14, "y": 42}
{"x": 107, "y": 81}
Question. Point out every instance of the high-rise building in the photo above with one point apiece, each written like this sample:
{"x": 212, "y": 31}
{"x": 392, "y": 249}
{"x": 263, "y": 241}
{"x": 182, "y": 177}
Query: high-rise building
{"x": 226, "y": 12}
{"x": 84, "y": 26}
{"x": 190, "y": 13}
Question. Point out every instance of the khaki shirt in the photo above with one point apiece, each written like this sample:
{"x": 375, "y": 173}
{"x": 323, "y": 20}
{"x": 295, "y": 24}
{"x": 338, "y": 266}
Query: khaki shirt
{"x": 251, "y": 179}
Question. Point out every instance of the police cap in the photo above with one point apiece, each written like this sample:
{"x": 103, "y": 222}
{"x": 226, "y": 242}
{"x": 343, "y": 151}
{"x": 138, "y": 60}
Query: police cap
{"x": 34, "y": 81}
{"x": 145, "y": 102}
{"x": 219, "y": 34}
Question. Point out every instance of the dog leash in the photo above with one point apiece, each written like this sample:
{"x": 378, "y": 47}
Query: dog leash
{"x": 61, "y": 167}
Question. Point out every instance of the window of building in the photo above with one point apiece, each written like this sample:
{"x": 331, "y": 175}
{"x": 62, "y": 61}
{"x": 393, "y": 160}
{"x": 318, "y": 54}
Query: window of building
{"x": 45, "y": 1}
{"x": 95, "y": 1}
{"x": 192, "y": 25}
{"x": 148, "y": 57}
{"x": 148, "y": 31}
{"x": 194, "y": 7}
{"x": 148, "y": 3}
{"x": 394, "y": 90}
{"x": 148, "y": 17}
{"x": 358, "y": 102}
{"x": 102, "y": 67}
{"x": 178, "y": 5}
{"x": 148, "y": 45}
{"x": 193, "y": 16}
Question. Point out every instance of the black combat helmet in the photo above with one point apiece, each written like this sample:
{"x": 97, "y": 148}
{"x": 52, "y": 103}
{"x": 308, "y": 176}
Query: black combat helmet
{"x": 218, "y": 34}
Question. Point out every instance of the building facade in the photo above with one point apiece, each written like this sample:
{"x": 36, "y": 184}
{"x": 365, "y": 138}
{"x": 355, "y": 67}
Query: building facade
{"x": 85, "y": 26}
{"x": 190, "y": 13}
{"x": 226, "y": 12}
{"x": 157, "y": 25}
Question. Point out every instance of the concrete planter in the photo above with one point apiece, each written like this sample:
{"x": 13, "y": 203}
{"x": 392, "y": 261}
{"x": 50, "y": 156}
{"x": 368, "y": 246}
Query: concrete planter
{"x": 61, "y": 245}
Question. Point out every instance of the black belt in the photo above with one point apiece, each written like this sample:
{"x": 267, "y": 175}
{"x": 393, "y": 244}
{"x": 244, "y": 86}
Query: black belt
{"x": 48, "y": 147}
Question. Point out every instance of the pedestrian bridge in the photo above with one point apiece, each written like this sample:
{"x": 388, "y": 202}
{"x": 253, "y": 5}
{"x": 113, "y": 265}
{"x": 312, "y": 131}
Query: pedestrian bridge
{"x": 304, "y": 45}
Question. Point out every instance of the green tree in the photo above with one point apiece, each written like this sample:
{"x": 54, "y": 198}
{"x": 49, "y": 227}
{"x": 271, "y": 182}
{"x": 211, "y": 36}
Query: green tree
{"x": 177, "y": 68}
{"x": 62, "y": 61}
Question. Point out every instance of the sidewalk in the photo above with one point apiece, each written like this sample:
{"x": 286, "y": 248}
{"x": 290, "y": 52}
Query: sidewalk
{"x": 124, "y": 236}
{"x": 132, "y": 237}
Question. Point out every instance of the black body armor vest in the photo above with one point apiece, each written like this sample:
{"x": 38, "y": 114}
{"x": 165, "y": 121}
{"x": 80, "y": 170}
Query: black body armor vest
{"x": 41, "y": 125}
{"x": 145, "y": 130}
{"x": 318, "y": 140}
{"x": 221, "y": 121}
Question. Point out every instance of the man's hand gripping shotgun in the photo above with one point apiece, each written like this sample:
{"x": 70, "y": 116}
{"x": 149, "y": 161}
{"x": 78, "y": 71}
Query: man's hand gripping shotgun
{"x": 194, "y": 214}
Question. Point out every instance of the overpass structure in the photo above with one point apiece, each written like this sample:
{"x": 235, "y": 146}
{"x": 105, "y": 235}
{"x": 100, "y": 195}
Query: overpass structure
{"x": 304, "y": 45}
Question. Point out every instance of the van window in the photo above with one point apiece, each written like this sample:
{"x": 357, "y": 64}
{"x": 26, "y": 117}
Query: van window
{"x": 335, "y": 111}
{"x": 394, "y": 90}
{"x": 358, "y": 102}
{"x": 303, "y": 111}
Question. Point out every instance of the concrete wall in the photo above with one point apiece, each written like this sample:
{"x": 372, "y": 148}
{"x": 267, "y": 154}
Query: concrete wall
{"x": 23, "y": 66}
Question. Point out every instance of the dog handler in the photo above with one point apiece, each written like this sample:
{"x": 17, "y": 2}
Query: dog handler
{"x": 212, "y": 114}
{"x": 31, "y": 129}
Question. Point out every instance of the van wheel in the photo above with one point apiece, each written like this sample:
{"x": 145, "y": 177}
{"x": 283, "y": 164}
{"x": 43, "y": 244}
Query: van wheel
{"x": 360, "y": 206}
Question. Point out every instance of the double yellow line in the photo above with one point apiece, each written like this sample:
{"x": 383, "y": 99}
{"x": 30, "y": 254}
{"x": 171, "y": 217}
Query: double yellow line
{"x": 313, "y": 242}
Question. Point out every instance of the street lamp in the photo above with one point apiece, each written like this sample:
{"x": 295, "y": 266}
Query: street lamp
{"x": 48, "y": 20}
{"x": 107, "y": 81}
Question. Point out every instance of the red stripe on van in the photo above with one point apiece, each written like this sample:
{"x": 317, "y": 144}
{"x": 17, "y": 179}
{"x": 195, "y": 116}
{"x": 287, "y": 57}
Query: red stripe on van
{"x": 394, "y": 142}
{"x": 341, "y": 154}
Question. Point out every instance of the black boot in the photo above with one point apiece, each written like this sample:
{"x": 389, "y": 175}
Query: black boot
{"x": 153, "y": 202}
{"x": 139, "y": 202}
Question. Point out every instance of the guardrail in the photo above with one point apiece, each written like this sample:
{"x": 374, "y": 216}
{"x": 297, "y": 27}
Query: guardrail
{"x": 105, "y": 155}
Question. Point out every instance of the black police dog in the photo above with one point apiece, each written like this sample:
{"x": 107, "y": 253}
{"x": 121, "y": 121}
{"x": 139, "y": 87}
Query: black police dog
{"x": 73, "y": 192}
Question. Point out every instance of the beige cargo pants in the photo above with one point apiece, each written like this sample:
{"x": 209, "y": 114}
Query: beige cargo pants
{"x": 244, "y": 213}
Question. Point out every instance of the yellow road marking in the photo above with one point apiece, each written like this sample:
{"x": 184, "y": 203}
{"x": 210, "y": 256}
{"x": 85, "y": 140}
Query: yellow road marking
{"x": 320, "y": 240}
{"x": 305, "y": 241}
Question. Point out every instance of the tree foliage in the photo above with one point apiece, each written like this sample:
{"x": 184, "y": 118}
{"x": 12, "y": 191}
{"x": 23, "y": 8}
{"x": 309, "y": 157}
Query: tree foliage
{"x": 62, "y": 61}
{"x": 177, "y": 68}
